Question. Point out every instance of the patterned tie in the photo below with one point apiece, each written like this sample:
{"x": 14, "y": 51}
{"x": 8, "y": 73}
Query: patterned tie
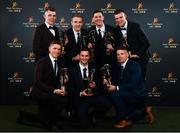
{"x": 84, "y": 73}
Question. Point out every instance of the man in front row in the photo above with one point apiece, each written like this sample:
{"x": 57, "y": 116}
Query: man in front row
{"x": 81, "y": 80}
{"x": 47, "y": 90}
{"x": 127, "y": 90}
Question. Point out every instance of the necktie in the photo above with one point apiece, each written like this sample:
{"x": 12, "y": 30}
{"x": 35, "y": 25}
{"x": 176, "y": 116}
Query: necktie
{"x": 78, "y": 38}
{"x": 55, "y": 66}
{"x": 122, "y": 70}
{"x": 84, "y": 73}
{"x": 99, "y": 33}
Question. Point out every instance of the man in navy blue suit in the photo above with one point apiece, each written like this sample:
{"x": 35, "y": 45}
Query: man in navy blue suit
{"x": 127, "y": 89}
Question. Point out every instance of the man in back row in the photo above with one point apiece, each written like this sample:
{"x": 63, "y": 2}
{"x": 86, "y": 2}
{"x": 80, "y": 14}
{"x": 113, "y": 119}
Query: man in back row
{"x": 45, "y": 33}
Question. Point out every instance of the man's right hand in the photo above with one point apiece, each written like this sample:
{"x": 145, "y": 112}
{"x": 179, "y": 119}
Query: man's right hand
{"x": 83, "y": 93}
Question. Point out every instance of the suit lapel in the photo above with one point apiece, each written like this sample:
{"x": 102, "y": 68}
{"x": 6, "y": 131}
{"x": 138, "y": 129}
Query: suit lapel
{"x": 51, "y": 66}
{"x": 79, "y": 76}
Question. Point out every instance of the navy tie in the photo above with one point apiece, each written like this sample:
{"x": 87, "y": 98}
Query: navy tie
{"x": 122, "y": 70}
{"x": 55, "y": 66}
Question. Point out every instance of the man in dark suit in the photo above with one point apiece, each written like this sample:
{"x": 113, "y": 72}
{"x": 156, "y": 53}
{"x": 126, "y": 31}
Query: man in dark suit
{"x": 83, "y": 86}
{"x": 47, "y": 89}
{"x": 45, "y": 33}
{"x": 101, "y": 37}
{"x": 77, "y": 38}
{"x": 127, "y": 90}
{"x": 130, "y": 34}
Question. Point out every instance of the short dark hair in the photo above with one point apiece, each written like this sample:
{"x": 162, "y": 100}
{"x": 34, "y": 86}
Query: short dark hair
{"x": 117, "y": 11}
{"x": 50, "y": 8}
{"x": 98, "y": 11}
{"x": 77, "y": 15}
{"x": 56, "y": 42}
{"x": 122, "y": 48}
{"x": 85, "y": 49}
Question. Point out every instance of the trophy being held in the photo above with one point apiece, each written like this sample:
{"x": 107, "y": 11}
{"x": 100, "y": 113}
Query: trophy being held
{"x": 91, "y": 44}
{"x": 64, "y": 41}
{"x": 106, "y": 75}
{"x": 89, "y": 83}
{"x": 63, "y": 78}
{"x": 109, "y": 39}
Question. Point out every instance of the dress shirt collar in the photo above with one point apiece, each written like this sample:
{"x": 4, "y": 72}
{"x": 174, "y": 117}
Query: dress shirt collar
{"x": 124, "y": 64}
{"x": 75, "y": 32}
{"x": 48, "y": 25}
{"x": 102, "y": 29}
{"x": 52, "y": 58}
{"x": 125, "y": 25}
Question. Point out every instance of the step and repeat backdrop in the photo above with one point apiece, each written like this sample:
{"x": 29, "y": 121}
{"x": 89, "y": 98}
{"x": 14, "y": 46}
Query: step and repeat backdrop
{"x": 159, "y": 19}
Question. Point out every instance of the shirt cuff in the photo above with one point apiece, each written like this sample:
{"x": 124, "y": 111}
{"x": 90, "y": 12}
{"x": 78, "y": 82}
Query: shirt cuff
{"x": 117, "y": 88}
{"x": 80, "y": 94}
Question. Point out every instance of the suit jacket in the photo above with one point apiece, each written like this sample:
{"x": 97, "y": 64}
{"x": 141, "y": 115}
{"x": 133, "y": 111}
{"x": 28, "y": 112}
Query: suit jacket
{"x": 42, "y": 39}
{"x": 72, "y": 48}
{"x": 130, "y": 80}
{"x": 100, "y": 56}
{"x": 136, "y": 39}
{"x": 45, "y": 79}
{"x": 75, "y": 83}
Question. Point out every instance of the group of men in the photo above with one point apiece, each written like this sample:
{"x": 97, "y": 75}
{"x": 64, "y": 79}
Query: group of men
{"x": 85, "y": 52}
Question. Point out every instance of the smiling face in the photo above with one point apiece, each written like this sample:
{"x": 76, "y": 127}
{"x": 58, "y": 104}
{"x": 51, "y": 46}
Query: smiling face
{"x": 120, "y": 19}
{"x": 77, "y": 23}
{"x": 55, "y": 50}
{"x": 50, "y": 17}
{"x": 98, "y": 19}
{"x": 84, "y": 57}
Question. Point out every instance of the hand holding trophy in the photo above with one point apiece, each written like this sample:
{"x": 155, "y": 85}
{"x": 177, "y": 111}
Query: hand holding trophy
{"x": 91, "y": 83}
{"x": 106, "y": 75}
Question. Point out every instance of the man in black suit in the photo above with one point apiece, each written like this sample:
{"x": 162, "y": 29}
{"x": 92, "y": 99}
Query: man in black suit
{"x": 127, "y": 90}
{"x": 77, "y": 38}
{"x": 45, "y": 33}
{"x": 81, "y": 80}
{"x": 101, "y": 37}
{"x": 130, "y": 34}
{"x": 47, "y": 91}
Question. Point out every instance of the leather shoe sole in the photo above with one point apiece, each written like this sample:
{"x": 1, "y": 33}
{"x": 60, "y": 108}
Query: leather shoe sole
{"x": 123, "y": 124}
